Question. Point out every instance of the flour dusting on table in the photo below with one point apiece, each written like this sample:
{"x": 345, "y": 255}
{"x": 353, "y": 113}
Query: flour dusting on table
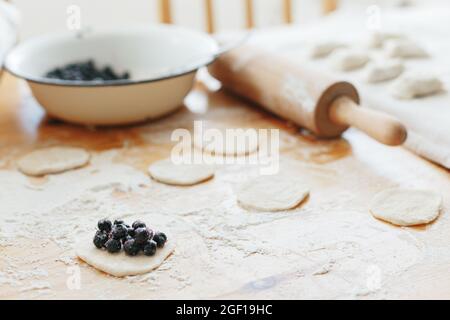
{"x": 213, "y": 232}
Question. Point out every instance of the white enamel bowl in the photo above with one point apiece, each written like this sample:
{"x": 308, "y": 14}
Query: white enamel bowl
{"x": 161, "y": 59}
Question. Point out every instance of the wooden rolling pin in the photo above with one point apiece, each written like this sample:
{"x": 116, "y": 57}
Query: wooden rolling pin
{"x": 301, "y": 94}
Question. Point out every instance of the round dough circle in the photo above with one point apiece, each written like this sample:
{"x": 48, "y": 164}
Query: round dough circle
{"x": 53, "y": 160}
{"x": 272, "y": 193}
{"x": 405, "y": 207}
{"x": 167, "y": 172}
{"x": 121, "y": 265}
{"x": 228, "y": 147}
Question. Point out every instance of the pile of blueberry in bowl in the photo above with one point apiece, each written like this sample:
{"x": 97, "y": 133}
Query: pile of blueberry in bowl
{"x": 86, "y": 71}
{"x": 132, "y": 239}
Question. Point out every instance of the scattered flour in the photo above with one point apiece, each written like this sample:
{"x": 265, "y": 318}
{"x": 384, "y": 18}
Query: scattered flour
{"x": 326, "y": 268}
{"x": 37, "y": 285}
{"x": 211, "y": 230}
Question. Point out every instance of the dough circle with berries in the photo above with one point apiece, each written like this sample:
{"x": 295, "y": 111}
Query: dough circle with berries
{"x": 120, "y": 264}
{"x": 124, "y": 250}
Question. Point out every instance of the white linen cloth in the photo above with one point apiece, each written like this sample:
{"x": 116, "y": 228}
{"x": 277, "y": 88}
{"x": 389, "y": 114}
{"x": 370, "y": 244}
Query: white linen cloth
{"x": 427, "y": 119}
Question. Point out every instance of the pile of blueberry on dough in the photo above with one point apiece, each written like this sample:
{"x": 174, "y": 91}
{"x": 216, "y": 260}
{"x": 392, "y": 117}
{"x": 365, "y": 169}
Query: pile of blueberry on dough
{"x": 135, "y": 239}
{"x": 85, "y": 71}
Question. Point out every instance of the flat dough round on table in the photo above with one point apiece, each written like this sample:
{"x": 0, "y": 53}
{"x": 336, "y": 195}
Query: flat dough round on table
{"x": 167, "y": 172}
{"x": 53, "y": 160}
{"x": 121, "y": 265}
{"x": 241, "y": 145}
{"x": 272, "y": 193}
{"x": 405, "y": 207}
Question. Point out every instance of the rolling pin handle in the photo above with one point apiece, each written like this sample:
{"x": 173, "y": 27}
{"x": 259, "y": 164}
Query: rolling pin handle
{"x": 379, "y": 126}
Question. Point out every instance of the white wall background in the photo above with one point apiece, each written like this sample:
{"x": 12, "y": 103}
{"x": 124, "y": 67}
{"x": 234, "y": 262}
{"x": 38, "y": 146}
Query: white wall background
{"x": 41, "y": 16}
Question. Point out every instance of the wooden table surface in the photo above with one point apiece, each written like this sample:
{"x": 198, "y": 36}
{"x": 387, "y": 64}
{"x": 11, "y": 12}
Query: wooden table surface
{"x": 330, "y": 247}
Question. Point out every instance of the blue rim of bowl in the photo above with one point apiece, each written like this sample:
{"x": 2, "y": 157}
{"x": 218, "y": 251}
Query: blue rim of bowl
{"x": 179, "y": 72}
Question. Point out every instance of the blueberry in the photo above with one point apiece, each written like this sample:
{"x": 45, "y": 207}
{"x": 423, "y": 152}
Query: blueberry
{"x": 100, "y": 239}
{"x": 151, "y": 233}
{"x": 150, "y": 248}
{"x": 116, "y": 222}
{"x": 104, "y": 225}
{"x": 55, "y": 74}
{"x": 85, "y": 71}
{"x": 131, "y": 248}
{"x": 138, "y": 224}
{"x": 142, "y": 235}
{"x": 160, "y": 239}
{"x": 161, "y": 234}
{"x": 113, "y": 245}
{"x": 108, "y": 74}
{"x": 126, "y": 239}
{"x": 131, "y": 232}
{"x": 119, "y": 231}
